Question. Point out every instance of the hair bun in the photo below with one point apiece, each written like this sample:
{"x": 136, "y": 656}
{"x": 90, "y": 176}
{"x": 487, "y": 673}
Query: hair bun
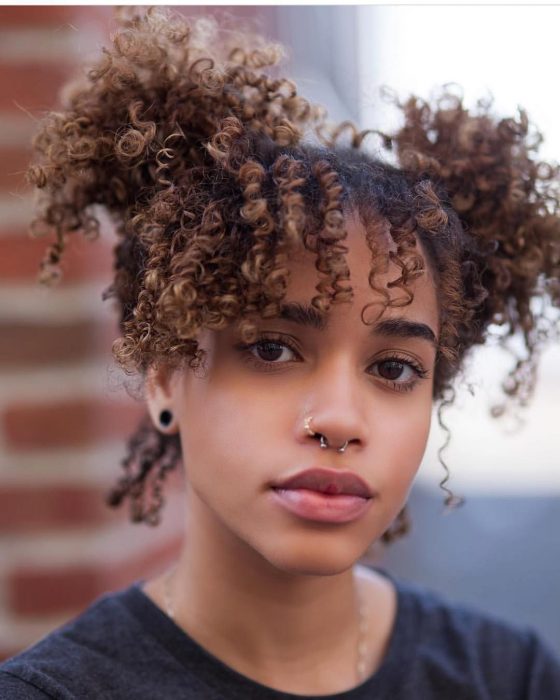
{"x": 148, "y": 116}
{"x": 507, "y": 199}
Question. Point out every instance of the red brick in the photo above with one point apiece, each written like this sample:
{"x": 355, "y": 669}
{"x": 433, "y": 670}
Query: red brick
{"x": 24, "y": 344}
{"x": 33, "y": 591}
{"x": 36, "y": 592}
{"x": 70, "y": 423}
{"x": 36, "y": 509}
{"x": 27, "y": 508}
{"x": 20, "y": 256}
{"x": 14, "y": 163}
{"x": 18, "y": 16}
{"x": 34, "y": 86}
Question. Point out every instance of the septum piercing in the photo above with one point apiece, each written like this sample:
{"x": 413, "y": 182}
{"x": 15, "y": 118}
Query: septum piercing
{"x": 323, "y": 442}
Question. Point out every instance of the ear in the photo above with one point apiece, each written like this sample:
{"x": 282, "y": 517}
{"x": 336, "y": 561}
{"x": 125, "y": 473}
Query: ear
{"x": 160, "y": 397}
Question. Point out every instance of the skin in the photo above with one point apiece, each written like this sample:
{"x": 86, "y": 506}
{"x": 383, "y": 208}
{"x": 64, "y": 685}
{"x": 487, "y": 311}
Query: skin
{"x": 270, "y": 594}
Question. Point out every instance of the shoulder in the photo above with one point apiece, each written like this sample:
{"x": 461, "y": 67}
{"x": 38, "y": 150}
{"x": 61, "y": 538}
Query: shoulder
{"x": 76, "y": 659}
{"x": 16, "y": 688}
{"x": 459, "y": 645}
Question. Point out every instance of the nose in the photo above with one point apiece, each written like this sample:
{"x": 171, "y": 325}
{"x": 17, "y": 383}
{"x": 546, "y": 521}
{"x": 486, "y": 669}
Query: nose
{"x": 335, "y": 403}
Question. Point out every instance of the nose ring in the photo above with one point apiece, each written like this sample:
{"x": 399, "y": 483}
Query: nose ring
{"x": 323, "y": 442}
{"x": 307, "y": 425}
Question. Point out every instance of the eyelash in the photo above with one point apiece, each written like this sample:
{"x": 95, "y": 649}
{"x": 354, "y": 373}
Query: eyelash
{"x": 269, "y": 366}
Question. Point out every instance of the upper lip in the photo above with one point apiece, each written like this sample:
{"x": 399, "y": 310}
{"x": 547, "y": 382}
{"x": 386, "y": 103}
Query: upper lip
{"x": 332, "y": 481}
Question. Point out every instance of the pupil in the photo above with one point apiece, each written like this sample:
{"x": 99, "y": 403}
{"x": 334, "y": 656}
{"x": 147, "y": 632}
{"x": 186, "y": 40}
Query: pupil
{"x": 390, "y": 369}
{"x": 270, "y": 351}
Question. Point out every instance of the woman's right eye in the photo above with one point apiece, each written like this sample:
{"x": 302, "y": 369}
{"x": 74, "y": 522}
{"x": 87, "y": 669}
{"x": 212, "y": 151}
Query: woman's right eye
{"x": 271, "y": 351}
{"x": 268, "y": 352}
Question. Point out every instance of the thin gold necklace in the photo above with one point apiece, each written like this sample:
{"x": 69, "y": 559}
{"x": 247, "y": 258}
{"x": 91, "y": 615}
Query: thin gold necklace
{"x": 362, "y": 624}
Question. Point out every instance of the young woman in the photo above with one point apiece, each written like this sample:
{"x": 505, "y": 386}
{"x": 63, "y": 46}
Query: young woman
{"x": 294, "y": 307}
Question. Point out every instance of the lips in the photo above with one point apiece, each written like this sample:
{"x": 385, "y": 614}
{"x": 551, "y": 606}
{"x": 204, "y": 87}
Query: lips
{"x": 327, "y": 481}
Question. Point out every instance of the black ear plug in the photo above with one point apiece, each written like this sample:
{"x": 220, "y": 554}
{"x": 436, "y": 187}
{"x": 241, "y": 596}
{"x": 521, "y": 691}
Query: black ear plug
{"x": 165, "y": 418}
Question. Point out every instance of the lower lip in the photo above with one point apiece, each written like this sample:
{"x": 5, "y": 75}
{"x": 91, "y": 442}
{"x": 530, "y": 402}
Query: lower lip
{"x": 313, "y": 505}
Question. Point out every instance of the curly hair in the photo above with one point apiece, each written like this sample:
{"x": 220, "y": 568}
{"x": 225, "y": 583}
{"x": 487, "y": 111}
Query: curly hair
{"x": 214, "y": 171}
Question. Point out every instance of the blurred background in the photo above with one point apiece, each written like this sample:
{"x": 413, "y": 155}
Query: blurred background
{"x": 65, "y": 416}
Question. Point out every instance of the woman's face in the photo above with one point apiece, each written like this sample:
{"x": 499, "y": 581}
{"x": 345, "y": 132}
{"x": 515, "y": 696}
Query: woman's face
{"x": 242, "y": 420}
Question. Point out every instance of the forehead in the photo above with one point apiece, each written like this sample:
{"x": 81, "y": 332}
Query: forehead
{"x": 424, "y": 307}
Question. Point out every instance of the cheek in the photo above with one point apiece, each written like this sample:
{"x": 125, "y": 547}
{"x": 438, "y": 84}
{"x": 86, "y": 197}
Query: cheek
{"x": 404, "y": 444}
{"x": 221, "y": 432}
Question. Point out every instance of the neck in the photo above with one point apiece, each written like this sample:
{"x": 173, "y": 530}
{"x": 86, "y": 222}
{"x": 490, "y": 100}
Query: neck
{"x": 286, "y": 630}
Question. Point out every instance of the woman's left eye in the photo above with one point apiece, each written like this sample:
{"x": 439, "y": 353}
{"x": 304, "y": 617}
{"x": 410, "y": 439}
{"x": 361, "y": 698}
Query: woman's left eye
{"x": 402, "y": 374}
{"x": 395, "y": 369}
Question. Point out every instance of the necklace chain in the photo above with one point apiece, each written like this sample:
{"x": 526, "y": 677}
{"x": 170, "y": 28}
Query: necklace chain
{"x": 362, "y": 624}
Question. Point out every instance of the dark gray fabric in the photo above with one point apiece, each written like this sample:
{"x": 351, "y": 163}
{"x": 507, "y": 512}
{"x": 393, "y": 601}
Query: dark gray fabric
{"x": 124, "y": 646}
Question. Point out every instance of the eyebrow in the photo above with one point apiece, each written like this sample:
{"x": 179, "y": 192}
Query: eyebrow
{"x": 309, "y": 316}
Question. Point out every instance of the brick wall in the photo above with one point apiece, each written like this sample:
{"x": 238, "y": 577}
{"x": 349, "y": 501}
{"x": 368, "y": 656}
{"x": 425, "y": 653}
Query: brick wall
{"x": 63, "y": 417}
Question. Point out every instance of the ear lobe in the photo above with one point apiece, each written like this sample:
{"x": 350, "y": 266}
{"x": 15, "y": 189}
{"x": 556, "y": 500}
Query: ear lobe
{"x": 158, "y": 383}
{"x": 159, "y": 397}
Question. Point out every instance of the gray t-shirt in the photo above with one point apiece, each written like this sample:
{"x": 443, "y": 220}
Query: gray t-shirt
{"x": 124, "y": 646}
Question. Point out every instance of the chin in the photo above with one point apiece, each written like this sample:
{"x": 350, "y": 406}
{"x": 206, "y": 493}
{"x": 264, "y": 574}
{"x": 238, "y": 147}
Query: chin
{"x": 308, "y": 560}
